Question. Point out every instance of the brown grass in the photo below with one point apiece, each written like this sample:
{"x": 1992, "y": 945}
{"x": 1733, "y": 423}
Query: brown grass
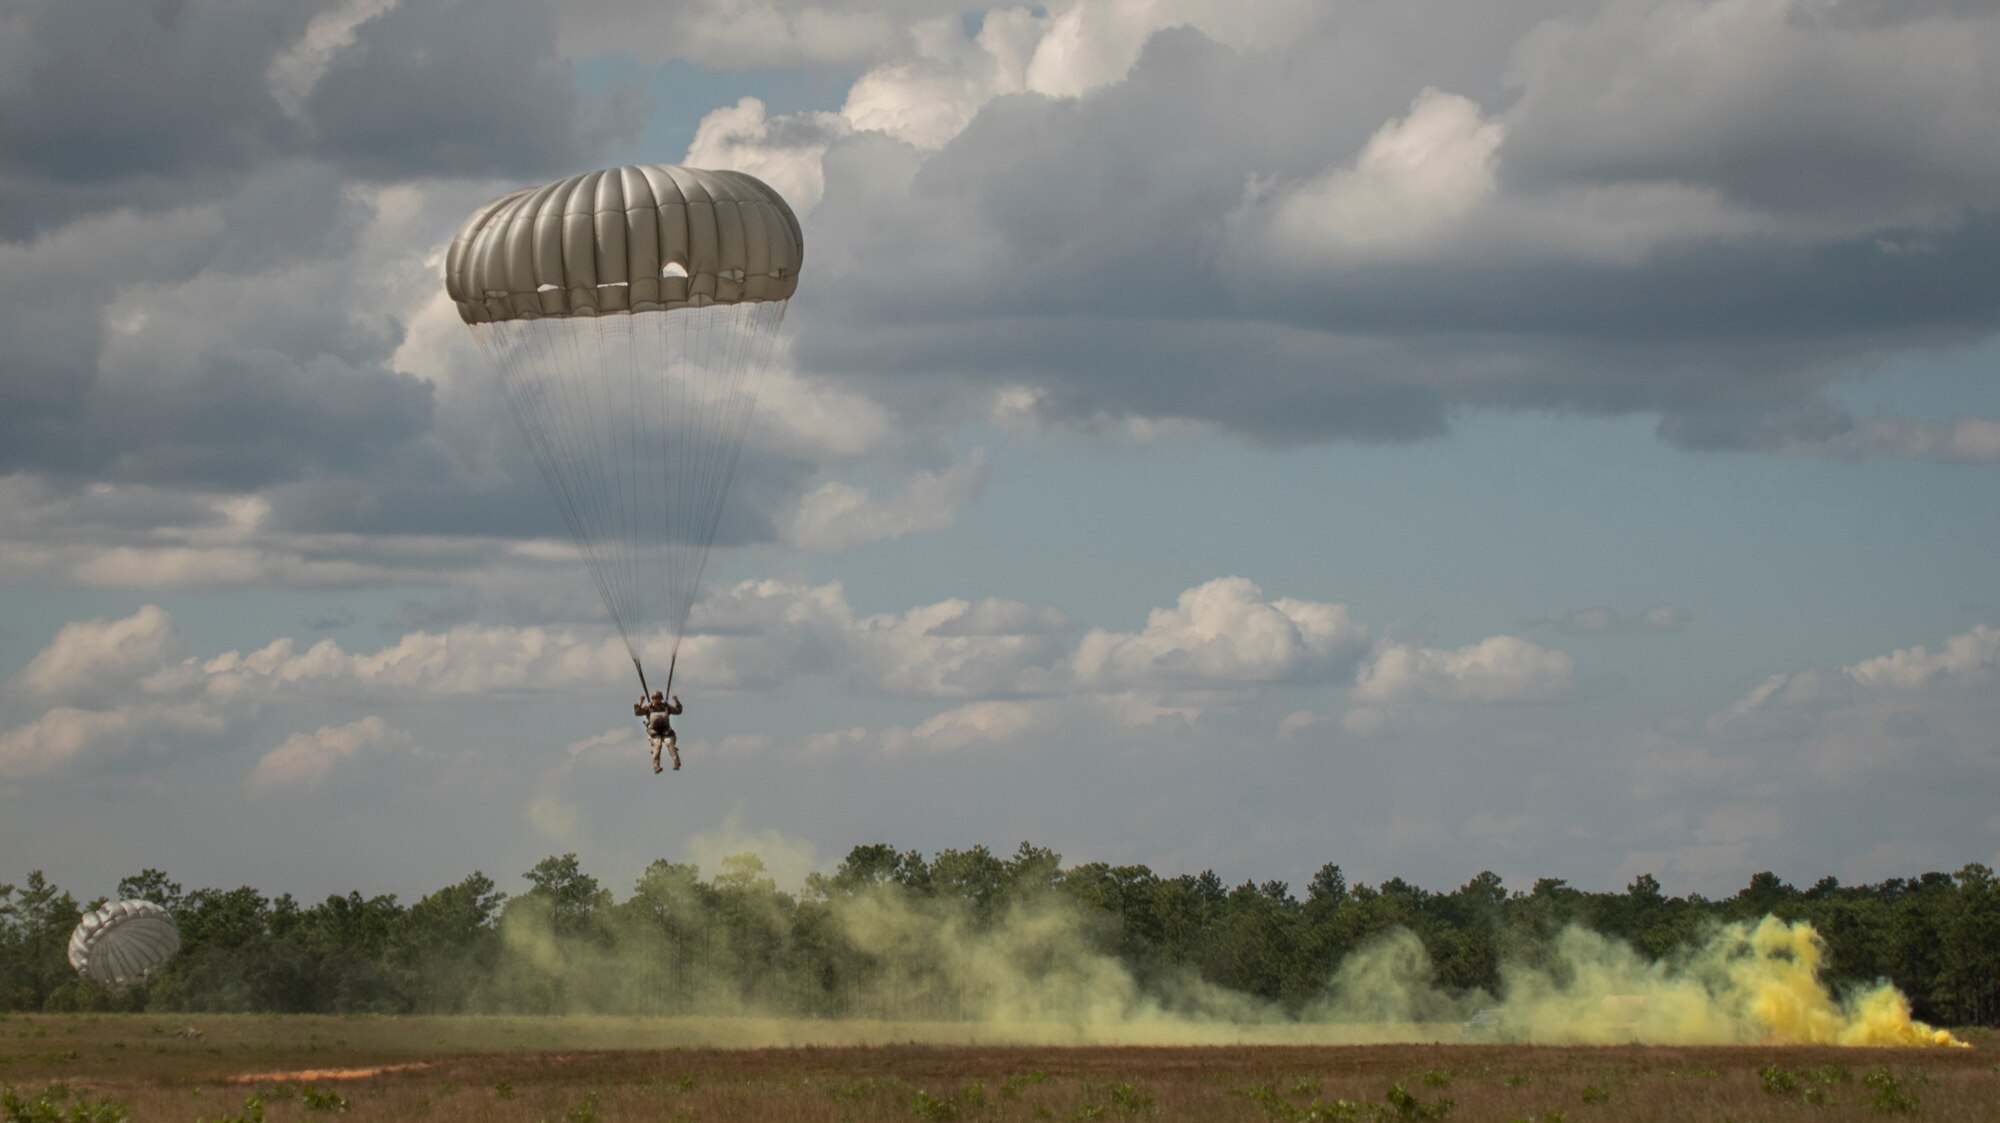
{"x": 582, "y": 1069}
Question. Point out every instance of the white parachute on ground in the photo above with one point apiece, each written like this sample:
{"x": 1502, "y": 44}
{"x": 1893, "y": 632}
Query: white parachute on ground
{"x": 630, "y": 313}
{"x": 123, "y": 942}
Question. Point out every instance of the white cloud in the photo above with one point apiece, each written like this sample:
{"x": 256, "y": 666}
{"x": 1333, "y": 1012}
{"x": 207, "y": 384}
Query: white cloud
{"x": 956, "y": 649}
{"x": 1841, "y": 724}
{"x": 102, "y": 659}
{"x": 1414, "y": 180}
{"x": 1398, "y": 678}
{"x": 818, "y": 418}
{"x": 1904, "y": 676}
{"x": 1970, "y": 657}
{"x": 306, "y": 758}
{"x": 66, "y": 739}
{"x": 1963, "y": 440}
{"x": 294, "y": 73}
{"x": 785, "y": 152}
{"x": 836, "y": 516}
{"x": 1093, "y": 43}
{"x": 61, "y": 736}
{"x": 929, "y": 97}
{"x": 1126, "y": 720}
{"x": 1225, "y": 632}
{"x": 1496, "y": 669}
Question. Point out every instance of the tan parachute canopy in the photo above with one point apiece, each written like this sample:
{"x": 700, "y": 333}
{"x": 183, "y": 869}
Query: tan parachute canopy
{"x": 123, "y": 942}
{"x": 630, "y": 314}
{"x": 641, "y": 238}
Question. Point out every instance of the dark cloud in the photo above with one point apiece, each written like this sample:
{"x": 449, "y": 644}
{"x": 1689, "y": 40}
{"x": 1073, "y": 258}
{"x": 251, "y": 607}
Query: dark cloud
{"x": 457, "y": 87}
{"x": 196, "y": 291}
{"x": 113, "y": 102}
{"x": 1716, "y": 247}
{"x": 209, "y": 283}
{"x": 118, "y": 105}
{"x": 1826, "y": 110}
{"x": 217, "y": 346}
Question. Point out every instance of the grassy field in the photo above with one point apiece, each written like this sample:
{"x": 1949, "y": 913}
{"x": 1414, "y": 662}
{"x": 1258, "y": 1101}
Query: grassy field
{"x": 580, "y": 1070}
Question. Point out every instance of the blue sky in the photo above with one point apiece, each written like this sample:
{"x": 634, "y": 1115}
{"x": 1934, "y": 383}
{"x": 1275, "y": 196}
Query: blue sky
{"x": 1563, "y": 442}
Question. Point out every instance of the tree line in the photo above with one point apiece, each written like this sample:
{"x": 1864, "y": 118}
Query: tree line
{"x": 887, "y": 934}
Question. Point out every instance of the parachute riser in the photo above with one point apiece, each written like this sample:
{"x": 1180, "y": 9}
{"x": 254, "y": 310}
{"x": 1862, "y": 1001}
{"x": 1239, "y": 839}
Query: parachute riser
{"x": 645, "y": 690}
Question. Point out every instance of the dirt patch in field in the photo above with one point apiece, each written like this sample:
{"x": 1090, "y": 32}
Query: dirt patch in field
{"x": 310, "y": 1074}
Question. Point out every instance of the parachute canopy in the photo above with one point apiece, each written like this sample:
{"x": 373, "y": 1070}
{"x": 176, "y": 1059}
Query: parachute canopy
{"x": 123, "y": 942}
{"x": 641, "y": 238}
{"x": 630, "y": 314}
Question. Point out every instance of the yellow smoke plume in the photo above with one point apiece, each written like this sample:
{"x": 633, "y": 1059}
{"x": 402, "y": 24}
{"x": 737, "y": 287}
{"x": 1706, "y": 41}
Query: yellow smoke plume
{"x": 1747, "y": 984}
{"x": 1035, "y": 973}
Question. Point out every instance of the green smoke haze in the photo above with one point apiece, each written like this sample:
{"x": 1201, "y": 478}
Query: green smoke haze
{"x": 977, "y": 947}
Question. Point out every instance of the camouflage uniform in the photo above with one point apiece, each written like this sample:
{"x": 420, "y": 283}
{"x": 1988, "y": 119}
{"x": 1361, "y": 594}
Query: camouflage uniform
{"x": 656, "y": 711}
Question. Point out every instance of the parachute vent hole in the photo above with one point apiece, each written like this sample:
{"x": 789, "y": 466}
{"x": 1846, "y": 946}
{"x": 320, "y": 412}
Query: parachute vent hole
{"x": 673, "y": 269}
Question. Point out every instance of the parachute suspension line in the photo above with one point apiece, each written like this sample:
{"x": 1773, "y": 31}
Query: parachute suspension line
{"x": 755, "y": 337}
{"x": 718, "y": 350}
{"x": 634, "y": 426}
{"x": 746, "y": 335}
{"x": 697, "y": 478}
{"x": 585, "y": 354}
{"x": 611, "y": 334}
{"x": 504, "y": 346}
{"x": 561, "y": 363}
{"x": 642, "y": 494}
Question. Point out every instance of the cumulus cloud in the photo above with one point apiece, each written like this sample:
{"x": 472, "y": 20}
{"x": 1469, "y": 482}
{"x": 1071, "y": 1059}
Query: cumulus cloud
{"x": 785, "y": 153}
{"x": 760, "y": 632}
{"x": 102, "y": 658}
{"x": 836, "y": 516}
{"x": 1965, "y": 662}
{"x": 297, "y": 69}
{"x": 1839, "y": 724}
{"x": 1226, "y": 632}
{"x": 1115, "y": 243}
{"x": 1009, "y": 668}
{"x": 1399, "y": 678}
{"x": 1128, "y": 719}
{"x": 58, "y": 737}
{"x": 1968, "y": 658}
{"x": 220, "y": 258}
{"x": 69, "y": 738}
{"x": 306, "y": 758}
{"x": 1415, "y": 178}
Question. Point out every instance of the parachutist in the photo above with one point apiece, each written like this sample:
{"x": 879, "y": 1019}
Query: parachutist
{"x": 657, "y": 713}
{"x": 657, "y": 290}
